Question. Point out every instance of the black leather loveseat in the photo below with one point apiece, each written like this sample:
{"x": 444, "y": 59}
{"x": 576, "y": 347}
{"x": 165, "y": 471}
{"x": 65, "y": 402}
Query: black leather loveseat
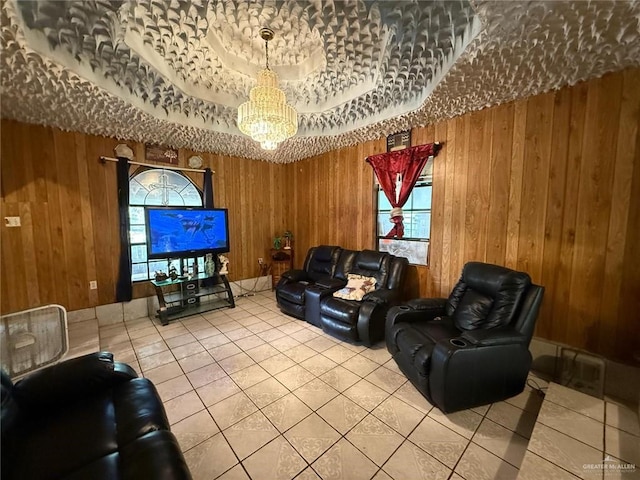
{"x": 309, "y": 293}
{"x": 87, "y": 418}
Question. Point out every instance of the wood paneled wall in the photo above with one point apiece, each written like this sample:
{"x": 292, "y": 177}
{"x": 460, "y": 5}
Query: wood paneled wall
{"x": 333, "y": 199}
{"x": 549, "y": 185}
{"x": 67, "y": 202}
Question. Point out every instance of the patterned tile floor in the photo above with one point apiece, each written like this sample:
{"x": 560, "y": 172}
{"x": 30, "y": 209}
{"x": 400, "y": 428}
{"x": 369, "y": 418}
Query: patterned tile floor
{"x": 589, "y": 437}
{"x": 253, "y": 393}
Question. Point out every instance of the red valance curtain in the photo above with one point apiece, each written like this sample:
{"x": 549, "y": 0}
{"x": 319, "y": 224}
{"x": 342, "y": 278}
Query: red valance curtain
{"x": 400, "y": 166}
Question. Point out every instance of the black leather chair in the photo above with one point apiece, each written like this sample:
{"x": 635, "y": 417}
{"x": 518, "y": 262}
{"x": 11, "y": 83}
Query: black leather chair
{"x": 320, "y": 263}
{"x": 86, "y": 418}
{"x": 472, "y": 348}
{"x": 364, "y": 321}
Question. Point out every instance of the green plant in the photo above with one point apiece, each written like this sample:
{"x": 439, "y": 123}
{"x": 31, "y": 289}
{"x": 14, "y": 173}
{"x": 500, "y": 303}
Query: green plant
{"x": 277, "y": 243}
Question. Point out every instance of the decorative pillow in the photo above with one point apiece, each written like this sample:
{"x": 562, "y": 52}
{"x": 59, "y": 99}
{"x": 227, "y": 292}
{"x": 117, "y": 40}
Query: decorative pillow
{"x": 357, "y": 287}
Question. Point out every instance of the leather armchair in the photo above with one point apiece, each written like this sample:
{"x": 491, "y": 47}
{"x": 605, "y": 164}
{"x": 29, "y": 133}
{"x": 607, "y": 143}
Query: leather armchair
{"x": 88, "y": 417}
{"x": 364, "y": 321}
{"x": 470, "y": 349}
{"x": 319, "y": 264}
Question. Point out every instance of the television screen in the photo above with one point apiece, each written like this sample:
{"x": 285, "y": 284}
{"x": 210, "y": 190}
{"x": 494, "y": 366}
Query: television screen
{"x": 182, "y": 232}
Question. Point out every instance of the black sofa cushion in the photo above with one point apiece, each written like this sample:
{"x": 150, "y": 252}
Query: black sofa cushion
{"x": 323, "y": 262}
{"x": 473, "y": 310}
{"x": 369, "y": 260}
{"x": 293, "y": 292}
{"x": 485, "y": 295}
{"x": 372, "y": 264}
{"x": 342, "y": 310}
{"x": 416, "y": 340}
{"x": 89, "y": 417}
{"x": 319, "y": 265}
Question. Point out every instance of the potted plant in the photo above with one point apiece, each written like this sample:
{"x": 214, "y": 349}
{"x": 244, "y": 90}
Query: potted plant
{"x": 277, "y": 243}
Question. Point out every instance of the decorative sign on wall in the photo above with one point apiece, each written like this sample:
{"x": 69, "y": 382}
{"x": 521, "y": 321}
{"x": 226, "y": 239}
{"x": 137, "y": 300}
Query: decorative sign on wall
{"x": 158, "y": 153}
{"x": 399, "y": 141}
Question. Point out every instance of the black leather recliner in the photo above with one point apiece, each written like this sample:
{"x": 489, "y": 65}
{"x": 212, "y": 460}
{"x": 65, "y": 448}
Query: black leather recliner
{"x": 472, "y": 348}
{"x": 324, "y": 287}
{"x": 87, "y": 418}
{"x": 364, "y": 321}
{"x": 320, "y": 263}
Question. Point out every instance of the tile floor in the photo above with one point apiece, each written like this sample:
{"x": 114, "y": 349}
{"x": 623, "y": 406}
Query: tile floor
{"x": 588, "y": 437}
{"x": 253, "y": 393}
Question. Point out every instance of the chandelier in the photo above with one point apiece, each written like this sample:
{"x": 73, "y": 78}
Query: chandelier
{"x": 267, "y": 117}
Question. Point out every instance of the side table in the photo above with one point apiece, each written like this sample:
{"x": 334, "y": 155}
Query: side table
{"x": 281, "y": 261}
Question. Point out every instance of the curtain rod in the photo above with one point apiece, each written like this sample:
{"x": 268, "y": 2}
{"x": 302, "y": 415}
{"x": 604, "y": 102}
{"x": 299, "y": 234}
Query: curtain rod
{"x": 153, "y": 165}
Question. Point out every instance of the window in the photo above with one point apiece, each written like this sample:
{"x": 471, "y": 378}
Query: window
{"x": 157, "y": 187}
{"x": 417, "y": 221}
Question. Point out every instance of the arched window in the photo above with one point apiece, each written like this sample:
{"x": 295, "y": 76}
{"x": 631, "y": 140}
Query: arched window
{"x": 157, "y": 187}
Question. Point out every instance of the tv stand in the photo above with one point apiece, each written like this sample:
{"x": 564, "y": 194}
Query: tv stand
{"x": 190, "y": 295}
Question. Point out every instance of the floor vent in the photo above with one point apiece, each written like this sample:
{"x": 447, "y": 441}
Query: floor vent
{"x": 582, "y": 371}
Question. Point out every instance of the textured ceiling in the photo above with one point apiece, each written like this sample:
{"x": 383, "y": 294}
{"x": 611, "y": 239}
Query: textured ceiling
{"x": 173, "y": 72}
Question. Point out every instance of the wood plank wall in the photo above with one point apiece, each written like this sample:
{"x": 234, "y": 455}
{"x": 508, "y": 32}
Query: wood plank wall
{"x": 549, "y": 185}
{"x": 333, "y": 199}
{"x": 67, "y": 202}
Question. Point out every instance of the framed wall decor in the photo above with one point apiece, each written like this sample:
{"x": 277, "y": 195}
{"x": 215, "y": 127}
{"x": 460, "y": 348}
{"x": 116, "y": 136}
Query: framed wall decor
{"x": 399, "y": 141}
{"x": 159, "y": 153}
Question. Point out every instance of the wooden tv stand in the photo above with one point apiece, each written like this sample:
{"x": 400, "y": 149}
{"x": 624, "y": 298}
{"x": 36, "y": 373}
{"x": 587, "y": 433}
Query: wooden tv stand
{"x": 189, "y": 295}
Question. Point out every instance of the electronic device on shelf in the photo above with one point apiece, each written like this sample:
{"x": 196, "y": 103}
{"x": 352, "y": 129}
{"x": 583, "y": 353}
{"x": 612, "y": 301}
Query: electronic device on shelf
{"x": 186, "y": 232}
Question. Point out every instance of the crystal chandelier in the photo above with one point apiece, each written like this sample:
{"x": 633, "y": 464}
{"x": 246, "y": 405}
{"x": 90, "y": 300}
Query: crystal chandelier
{"x": 267, "y": 117}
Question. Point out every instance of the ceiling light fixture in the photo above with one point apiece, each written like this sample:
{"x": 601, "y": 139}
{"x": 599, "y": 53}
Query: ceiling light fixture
{"x": 267, "y": 117}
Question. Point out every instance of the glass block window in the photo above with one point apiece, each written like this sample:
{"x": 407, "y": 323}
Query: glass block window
{"x": 155, "y": 187}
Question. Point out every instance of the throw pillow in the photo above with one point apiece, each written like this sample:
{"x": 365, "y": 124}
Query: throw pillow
{"x": 357, "y": 287}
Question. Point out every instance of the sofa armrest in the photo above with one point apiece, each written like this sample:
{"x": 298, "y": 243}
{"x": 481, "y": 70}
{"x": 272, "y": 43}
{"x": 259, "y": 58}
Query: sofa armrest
{"x": 154, "y": 455}
{"x": 463, "y": 375}
{"x": 124, "y": 370}
{"x": 331, "y": 283}
{"x": 416, "y": 310}
{"x": 493, "y": 337}
{"x": 381, "y": 297}
{"x": 435, "y": 306}
{"x": 72, "y": 379}
{"x": 295, "y": 275}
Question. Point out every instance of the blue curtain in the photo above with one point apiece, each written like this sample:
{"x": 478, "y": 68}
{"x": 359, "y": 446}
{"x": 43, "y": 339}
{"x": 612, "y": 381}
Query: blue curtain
{"x": 207, "y": 193}
{"x": 124, "y": 288}
{"x": 208, "y": 188}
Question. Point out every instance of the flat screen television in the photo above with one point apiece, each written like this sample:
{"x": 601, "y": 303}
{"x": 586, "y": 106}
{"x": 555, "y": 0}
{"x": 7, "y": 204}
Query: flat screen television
{"x": 186, "y": 232}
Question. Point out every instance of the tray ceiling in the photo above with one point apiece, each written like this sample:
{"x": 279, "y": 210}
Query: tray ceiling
{"x": 174, "y": 72}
